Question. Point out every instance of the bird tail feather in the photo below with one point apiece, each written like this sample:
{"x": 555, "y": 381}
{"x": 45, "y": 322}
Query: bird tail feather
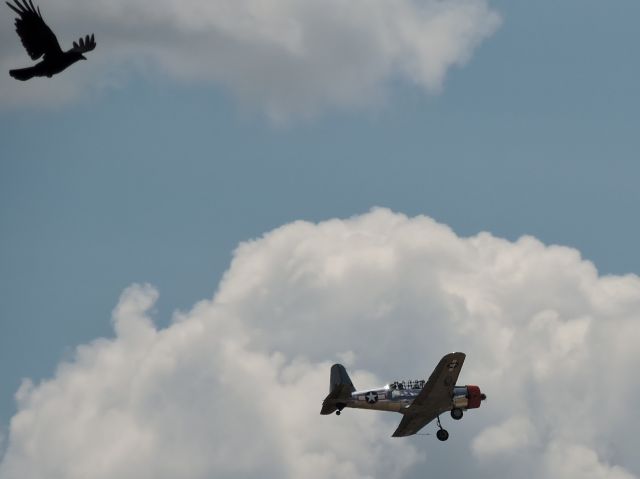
{"x": 22, "y": 74}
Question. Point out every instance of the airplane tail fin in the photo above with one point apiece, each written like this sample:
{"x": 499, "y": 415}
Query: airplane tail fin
{"x": 340, "y": 389}
{"x": 22, "y": 74}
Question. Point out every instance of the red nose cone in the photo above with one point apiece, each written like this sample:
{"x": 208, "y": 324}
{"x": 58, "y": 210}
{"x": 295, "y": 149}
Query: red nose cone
{"x": 474, "y": 396}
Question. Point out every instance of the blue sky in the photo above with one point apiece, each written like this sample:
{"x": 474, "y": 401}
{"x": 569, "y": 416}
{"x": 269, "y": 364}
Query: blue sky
{"x": 156, "y": 180}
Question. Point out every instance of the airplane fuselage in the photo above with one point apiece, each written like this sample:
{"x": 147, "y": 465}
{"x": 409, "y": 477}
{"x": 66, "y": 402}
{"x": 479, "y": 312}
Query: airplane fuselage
{"x": 392, "y": 398}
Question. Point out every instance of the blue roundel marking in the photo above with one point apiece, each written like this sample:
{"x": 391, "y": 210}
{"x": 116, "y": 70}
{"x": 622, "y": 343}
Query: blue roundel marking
{"x": 371, "y": 397}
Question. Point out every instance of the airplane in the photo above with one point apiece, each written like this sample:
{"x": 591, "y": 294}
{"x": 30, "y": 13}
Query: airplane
{"x": 418, "y": 401}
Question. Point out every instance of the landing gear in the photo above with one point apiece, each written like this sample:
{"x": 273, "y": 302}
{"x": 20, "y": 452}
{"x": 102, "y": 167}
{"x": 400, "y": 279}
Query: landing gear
{"x": 340, "y": 407}
{"x": 456, "y": 414}
{"x": 338, "y": 413}
{"x": 442, "y": 433}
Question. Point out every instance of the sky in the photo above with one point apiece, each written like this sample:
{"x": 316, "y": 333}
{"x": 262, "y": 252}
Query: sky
{"x": 228, "y": 197}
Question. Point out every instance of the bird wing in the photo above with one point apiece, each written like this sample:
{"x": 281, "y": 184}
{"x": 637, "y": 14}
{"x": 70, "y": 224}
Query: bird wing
{"x": 36, "y": 36}
{"x": 84, "y": 45}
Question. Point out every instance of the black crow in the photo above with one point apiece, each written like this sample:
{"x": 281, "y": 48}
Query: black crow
{"x": 39, "y": 40}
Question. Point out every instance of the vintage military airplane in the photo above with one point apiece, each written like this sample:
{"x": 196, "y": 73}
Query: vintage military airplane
{"x": 420, "y": 402}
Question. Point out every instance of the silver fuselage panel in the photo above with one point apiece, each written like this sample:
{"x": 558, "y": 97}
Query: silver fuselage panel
{"x": 383, "y": 399}
{"x": 389, "y": 398}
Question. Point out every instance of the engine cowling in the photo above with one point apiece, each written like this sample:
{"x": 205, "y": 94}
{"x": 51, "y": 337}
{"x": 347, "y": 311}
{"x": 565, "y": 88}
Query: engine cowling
{"x": 475, "y": 397}
{"x": 467, "y": 397}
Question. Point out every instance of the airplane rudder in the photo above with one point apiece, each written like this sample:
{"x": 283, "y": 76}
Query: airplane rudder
{"x": 339, "y": 377}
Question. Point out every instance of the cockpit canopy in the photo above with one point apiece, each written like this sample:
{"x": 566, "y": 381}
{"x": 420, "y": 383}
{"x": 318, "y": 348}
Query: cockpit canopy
{"x": 411, "y": 384}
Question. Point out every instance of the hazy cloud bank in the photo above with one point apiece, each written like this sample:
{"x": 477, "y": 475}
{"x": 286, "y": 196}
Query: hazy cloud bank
{"x": 233, "y": 387}
{"x": 287, "y": 58}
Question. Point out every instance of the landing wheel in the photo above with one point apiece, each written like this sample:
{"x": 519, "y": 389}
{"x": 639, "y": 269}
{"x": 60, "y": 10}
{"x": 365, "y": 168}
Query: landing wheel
{"x": 338, "y": 413}
{"x": 442, "y": 434}
{"x": 456, "y": 414}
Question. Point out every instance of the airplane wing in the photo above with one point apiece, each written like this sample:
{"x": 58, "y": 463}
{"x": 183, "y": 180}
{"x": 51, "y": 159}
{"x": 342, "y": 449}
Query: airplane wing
{"x": 435, "y": 397}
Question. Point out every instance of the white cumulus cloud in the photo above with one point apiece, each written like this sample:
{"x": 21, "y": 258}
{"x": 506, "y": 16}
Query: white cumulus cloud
{"x": 233, "y": 387}
{"x": 513, "y": 434}
{"x": 285, "y": 57}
